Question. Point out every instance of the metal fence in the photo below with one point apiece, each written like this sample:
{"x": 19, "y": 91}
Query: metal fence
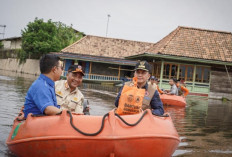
{"x": 97, "y": 77}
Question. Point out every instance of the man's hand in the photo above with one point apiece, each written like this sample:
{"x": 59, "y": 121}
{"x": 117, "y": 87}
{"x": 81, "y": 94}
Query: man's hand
{"x": 87, "y": 109}
{"x": 21, "y": 116}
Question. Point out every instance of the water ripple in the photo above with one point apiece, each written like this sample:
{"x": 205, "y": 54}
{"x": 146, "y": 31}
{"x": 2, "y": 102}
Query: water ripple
{"x": 204, "y": 126}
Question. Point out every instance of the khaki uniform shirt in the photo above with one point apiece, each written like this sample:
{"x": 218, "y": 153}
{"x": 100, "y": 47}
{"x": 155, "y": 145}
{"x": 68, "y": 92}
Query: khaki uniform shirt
{"x": 70, "y": 101}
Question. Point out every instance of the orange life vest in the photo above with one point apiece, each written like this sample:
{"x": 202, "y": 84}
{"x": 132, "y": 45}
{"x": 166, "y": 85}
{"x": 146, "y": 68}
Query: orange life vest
{"x": 131, "y": 99}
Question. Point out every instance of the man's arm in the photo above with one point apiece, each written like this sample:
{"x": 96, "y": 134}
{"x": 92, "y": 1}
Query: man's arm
{"x": 186, "y": 91}
{"x": 52, "y": 110}
{"x": 156, "y": 104}
{"x": 160, "y": 91}
{"x": 118, "y": 97}
{"x": 43, "y": 99}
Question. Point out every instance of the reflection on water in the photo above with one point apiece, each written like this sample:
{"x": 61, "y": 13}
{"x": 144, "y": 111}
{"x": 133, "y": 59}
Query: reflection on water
{"x": 204, "y": 126}
{"x": 13, "y": 88}
{"x": 101, "y": 98}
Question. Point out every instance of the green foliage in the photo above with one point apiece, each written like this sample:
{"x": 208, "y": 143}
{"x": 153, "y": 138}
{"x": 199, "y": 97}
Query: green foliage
{"x": 41, "y": 37}
{"x": 21, "y": 55}
{"x": 1, "y": 44}
{"x": 224, "y": 99}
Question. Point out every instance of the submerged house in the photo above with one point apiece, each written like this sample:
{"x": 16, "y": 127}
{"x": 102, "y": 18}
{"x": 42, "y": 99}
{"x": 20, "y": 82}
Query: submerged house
{"x": 103, "y": 59}
{"x": 10, "y": 47}
{"x": 203, "y": 58}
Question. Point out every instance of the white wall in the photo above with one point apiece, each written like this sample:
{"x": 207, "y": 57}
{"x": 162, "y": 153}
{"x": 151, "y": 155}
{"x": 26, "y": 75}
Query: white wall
{"x": 12, "y": 44}
{"x": 31, "y": 66}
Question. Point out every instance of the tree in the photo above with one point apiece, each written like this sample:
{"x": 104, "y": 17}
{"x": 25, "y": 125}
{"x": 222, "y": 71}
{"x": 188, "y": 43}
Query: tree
{"x": 1, "y": 44}
{"x": 41, "y": 37}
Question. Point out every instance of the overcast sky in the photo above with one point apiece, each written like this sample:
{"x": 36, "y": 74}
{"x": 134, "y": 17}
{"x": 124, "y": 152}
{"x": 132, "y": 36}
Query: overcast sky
{"x": 141, "y": 20}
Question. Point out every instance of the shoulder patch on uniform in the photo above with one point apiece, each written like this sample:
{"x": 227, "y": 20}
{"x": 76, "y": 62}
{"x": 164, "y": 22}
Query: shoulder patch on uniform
{"x": 60, "y": 94}
{"x": 75, "y": 98}
{"x": 147, "y": 93}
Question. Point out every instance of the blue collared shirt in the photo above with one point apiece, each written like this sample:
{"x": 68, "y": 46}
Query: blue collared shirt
{"x": 156, "y": 103}
{"x": 40, "y": 95}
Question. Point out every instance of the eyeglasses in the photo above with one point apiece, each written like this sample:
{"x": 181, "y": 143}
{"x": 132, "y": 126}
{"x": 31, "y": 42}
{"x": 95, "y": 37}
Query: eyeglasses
{"x": 61, "y": 67}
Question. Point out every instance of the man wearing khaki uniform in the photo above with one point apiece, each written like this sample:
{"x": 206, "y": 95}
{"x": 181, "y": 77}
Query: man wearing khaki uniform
{"x": 68, "y": 95}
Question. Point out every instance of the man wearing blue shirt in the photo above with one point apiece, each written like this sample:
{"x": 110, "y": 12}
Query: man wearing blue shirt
{"x": 151, "y": 99}
{"x": 41, "y": 98}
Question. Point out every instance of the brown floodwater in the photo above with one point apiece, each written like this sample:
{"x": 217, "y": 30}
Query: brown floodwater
{"x": 204, "y": 126}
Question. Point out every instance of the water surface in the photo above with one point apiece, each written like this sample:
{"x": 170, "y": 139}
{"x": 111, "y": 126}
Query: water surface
{"x": 204, "y": 126}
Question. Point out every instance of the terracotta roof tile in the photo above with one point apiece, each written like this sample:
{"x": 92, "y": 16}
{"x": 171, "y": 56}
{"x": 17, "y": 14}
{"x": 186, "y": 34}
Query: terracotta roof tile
{"x": 107, "y": 47}
{"x": 196, "y": 43}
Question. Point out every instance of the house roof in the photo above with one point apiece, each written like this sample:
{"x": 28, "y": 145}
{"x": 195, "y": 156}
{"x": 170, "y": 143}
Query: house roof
{"x": 11, "y": 38}
{"x": 107, "y": 47}
{"x": 196, "y": 43}
{"x": 101, "y": 59}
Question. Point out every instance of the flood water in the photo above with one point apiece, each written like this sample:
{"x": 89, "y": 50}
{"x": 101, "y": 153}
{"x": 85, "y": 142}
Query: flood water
{"x": 204, "y": 126}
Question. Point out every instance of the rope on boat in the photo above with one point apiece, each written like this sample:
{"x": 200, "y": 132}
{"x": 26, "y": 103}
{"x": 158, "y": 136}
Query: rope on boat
{"x": 103, "y": 122}
{"x": 88, "y": 134}
{"x": 144, "y": 113}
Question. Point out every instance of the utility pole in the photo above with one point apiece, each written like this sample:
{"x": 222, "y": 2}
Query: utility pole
{"x": 4, "y": 26}
{"x": 108, "y": 19}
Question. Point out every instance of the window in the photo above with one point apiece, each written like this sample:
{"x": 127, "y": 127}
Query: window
{"x": 198, "y": 74}
{"x": 186, "y": 72}
{"x": 202, "y": 74}
{"x": 189, "y": 73}
{"x": 156, "y": 70}
{"x": 182, "y": 72}
{"x": 170, "y": 70}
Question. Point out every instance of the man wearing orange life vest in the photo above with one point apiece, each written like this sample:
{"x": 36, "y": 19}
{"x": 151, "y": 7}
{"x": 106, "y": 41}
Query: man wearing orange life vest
{"x": 182, "y": 91}
{"x": 151, "y": 98}
{"x": 154, "y": 80}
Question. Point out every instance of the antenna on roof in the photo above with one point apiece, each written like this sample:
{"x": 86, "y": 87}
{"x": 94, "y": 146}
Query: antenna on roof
{"x": 108, "y": 19}
{"x": 4, "y": 26}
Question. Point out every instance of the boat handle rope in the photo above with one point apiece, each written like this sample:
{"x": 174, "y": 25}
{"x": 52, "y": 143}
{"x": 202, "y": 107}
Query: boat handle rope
{"x": 103, "y": 122}
{"x": 144, "y": 113}
{"x": 88, "y": 134}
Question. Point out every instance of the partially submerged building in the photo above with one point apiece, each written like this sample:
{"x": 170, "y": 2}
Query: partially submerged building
{"x": 10, "y": 47}
{"x": 103, "y": 59}
{"x": 203, "y": 58}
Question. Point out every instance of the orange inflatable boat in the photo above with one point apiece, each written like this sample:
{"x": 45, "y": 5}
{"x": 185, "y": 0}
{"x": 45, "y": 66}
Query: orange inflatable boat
{"x": 173, "y": 100}
{"x": 110, "y": 135}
